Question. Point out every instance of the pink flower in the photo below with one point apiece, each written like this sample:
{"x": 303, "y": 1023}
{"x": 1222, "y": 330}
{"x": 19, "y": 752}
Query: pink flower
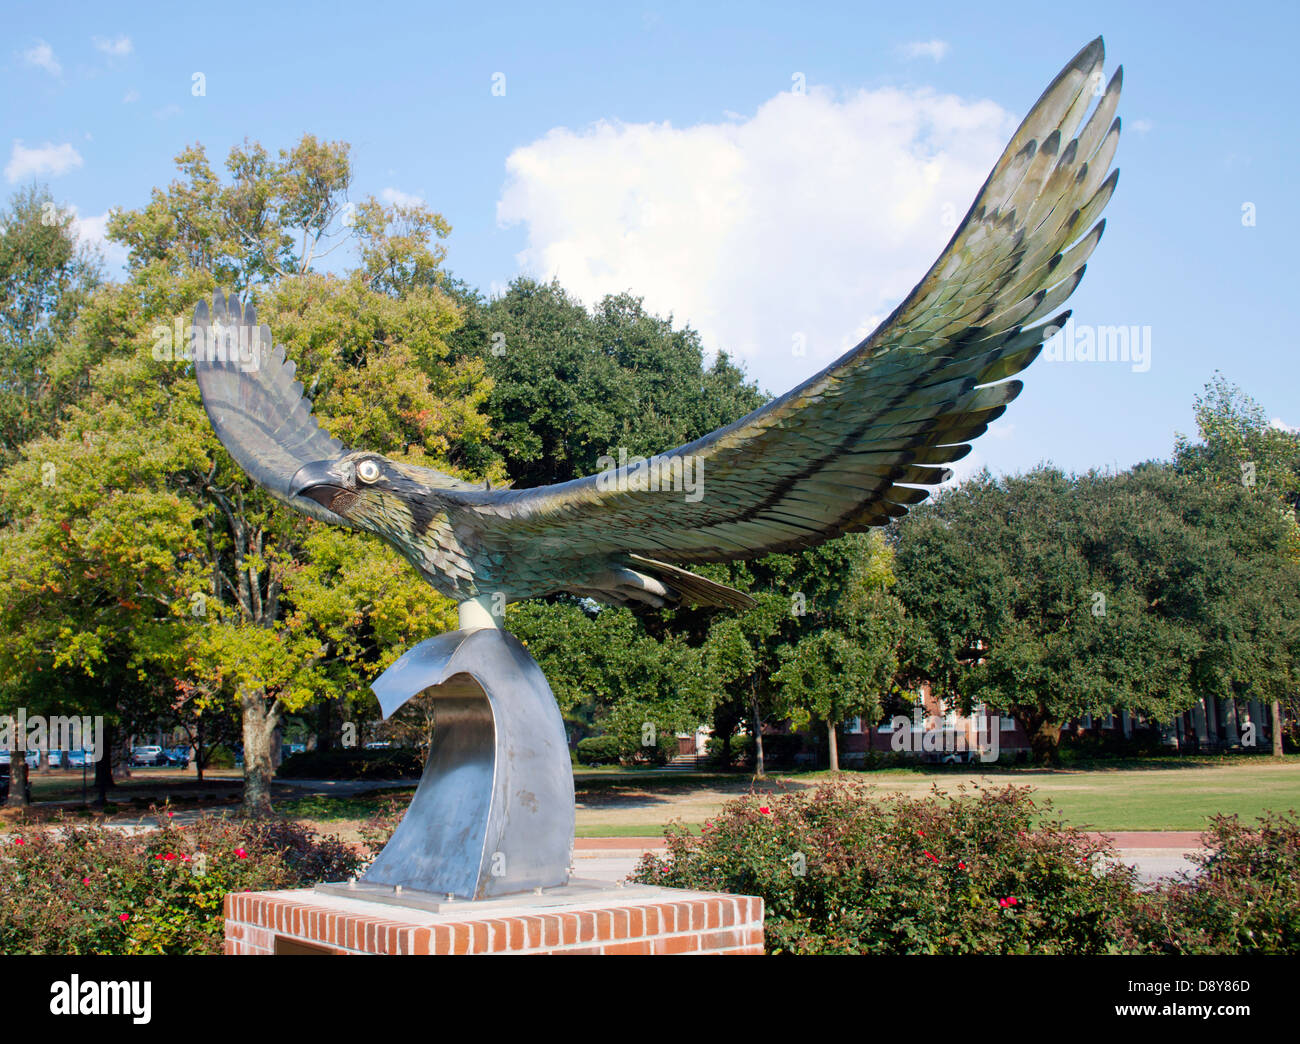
{"x": 85, "y": 880}
{"x": 170, "y": 814}
{"x": 124, "y": 918}
{"x": 241, "y": 853}
{"x": 1010, "y": 900}
{"x": 765, "y": 810}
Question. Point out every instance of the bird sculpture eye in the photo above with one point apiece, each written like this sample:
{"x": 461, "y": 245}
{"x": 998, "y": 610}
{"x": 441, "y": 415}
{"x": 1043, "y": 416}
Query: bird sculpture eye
{"x": 367, "y": 471}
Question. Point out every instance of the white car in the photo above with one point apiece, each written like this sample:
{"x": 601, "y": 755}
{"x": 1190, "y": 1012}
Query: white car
{"x": 148, "y": 755}
{"x": 33, "y": 758}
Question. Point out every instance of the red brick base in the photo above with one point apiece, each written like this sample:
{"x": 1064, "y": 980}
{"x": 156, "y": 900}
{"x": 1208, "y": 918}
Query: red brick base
{"x": 663, "y": 920}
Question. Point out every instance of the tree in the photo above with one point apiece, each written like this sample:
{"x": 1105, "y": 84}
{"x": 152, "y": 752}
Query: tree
{"x": 844, "y": 658}
{"x": 1051, "y": 597}
{"x": 151, "y": 555}
{"x": 45, "y": 278}
{"x": 570, "y": 386}
{"x": 1239, "y": 447}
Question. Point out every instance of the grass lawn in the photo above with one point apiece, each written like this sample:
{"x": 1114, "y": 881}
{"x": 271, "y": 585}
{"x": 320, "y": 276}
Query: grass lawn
{"x": 1160, "y": 794}
{"x": 1150, "y": 794}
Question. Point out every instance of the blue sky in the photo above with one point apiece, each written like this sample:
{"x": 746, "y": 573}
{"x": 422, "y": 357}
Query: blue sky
{"x": 675, "y": 106}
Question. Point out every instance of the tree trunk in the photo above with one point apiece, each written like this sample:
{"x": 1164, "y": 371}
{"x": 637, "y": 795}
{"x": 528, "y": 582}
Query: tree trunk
{"x": 17, "y": 773}
{"x": 759, "y": 766}
{"x": 1277, "y": 728}
{"x": 833, "y": 748}
{"x": 104, "y": 766}
{"x": 259, "y": 729}
{"x": 1045, "y": 741}
{"x": 198, "y": 748}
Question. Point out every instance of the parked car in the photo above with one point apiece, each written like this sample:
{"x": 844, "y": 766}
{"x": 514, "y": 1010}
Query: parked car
{"x": 147, "y": 755}
{"x": 176, "y": 757}
{"x": 80, "y": 758}
{"x": 4, "y": 783}
{"x": 33, "y": 758}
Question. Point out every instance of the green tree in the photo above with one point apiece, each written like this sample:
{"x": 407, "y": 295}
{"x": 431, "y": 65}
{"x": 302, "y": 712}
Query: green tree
{"x": 150, "y": 555}
{"x": 45, "y": 278}
{"x": 1239, "y": 447}
{"x": 570, "y": 386}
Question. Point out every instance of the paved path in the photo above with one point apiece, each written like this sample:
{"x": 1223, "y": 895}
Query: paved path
{"x": 1154, "y": 854}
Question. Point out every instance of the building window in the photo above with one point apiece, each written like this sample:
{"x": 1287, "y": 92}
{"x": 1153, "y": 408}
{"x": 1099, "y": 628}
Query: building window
{"x": 853, "y": 725}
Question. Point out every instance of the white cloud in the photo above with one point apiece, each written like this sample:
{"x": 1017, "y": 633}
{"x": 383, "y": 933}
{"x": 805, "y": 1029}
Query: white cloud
{"x": 1281, "y": 425}
{"x": 167, "y": 111}
{"x": 935, "y": 49}
{"x": 118, "y": 47}
{"x": 802, "y": 226}
{"x": 41, "y": 56}
{"x": 1142, "y": 126}
{"x": 397, "y": 197}
{"x": 130, "y": 96}
{"x": 44, "y": 159}
{"x": 92, "y": 231}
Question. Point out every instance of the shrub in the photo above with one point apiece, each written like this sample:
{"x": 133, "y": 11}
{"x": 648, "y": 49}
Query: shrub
{"x": 1245, "y": 898}
{"x": 840, "y": 872}
{"x": 599, "y": 750}
{"x": 353, "y": 763}
{"x": 75, "y": 889}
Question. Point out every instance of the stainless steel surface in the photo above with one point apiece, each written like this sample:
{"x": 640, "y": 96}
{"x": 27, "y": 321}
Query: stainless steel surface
{"x": 493, "y": 814}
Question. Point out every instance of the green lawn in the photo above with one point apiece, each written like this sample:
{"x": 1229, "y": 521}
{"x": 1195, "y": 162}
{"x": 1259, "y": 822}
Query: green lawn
{"x": 1149, "y": 794}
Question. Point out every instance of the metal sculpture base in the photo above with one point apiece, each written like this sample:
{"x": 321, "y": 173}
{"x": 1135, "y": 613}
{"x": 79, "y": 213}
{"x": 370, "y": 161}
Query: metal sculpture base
{"x": 494, "y": 812}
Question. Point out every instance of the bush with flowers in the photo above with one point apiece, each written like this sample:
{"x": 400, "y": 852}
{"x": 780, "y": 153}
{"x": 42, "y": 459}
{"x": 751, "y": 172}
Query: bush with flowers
{"x": 78, "y": 889}
{"x": 842, "y": 872}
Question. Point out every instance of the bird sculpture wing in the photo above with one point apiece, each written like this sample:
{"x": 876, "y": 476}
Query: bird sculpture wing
{"x": 856, "y": 444}
{"x": 257, "y": 406}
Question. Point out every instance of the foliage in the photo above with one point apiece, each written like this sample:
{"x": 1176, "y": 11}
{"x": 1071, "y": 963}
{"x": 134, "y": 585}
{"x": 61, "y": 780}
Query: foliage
{"x": 75, "y": 889}
{"x": 599, "y": 750}
{"x": 842, "y": 872}
{"x": 45, "y": 279}
{"x": 571, "y": 385}
{"x": 1050, "y": 596}
{"x": 1245, "y": 897}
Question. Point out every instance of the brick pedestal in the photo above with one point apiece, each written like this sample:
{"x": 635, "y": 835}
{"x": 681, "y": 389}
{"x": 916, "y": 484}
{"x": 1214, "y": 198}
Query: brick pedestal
{"x": 574, "y": 919}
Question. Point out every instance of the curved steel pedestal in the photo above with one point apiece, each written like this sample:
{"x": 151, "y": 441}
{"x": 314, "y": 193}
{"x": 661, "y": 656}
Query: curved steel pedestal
{"x": 493, "y": 814}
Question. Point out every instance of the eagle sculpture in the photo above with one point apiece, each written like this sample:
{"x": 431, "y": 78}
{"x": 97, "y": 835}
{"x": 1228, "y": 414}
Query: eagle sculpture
{"x": 852, "y": 447}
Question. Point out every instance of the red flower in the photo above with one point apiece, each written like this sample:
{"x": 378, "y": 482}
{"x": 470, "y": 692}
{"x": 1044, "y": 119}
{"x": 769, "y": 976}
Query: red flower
{"x": 932, "y": 857}
{"x": 19, "y": 841}
{"x": 961, "y": 866}
{"x": 1010, "y": 900}
{"x": 170, "y": 814}
{"x": 765, "y": 810}
{"x": 241, "y": 853}
{"x": 920, "y": 833}
{"x": 170, "y": 856}
{"x": 85, "y": 880}
{"x": 158, "y": 857}
{"x": 124, "y": 918}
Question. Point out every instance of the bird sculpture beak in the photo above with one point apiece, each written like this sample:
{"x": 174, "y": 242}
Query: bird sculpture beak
{"x": 320, "y": 481}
